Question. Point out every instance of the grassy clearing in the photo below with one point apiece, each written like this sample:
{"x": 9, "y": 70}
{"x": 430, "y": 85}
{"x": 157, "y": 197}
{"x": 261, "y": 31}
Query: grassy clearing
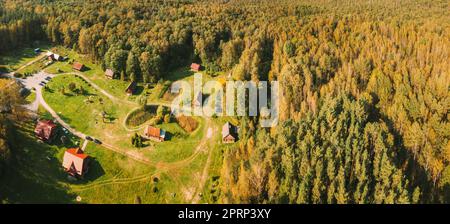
{"x": 86, "y": 117}
{"x": 37, "y": 177}
{"x": 83, "y": 112}
{"x": 93, "y": 72}
{"x": 13, "y": 60}
{"x": 179, "y": 146}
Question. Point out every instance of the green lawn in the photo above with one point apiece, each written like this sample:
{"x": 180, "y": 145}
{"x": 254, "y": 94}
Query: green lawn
{"x": 37, "y": 177}
{"x": 93, "y": 71}
{"x": 15, "y": 59}
{"x": 77, "y": 110}
{"x": 180, "y": 144}
{"x": 31, "y": 97}
{"x": 85, "y": 117}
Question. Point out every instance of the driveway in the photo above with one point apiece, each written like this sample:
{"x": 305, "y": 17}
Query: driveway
{"x": 36, "y": 82}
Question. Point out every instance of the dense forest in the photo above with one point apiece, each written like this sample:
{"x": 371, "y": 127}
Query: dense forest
{"x": 365, "y": 106}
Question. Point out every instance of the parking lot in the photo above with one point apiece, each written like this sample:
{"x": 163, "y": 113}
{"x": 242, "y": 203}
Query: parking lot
{"x": 36, "y": 81}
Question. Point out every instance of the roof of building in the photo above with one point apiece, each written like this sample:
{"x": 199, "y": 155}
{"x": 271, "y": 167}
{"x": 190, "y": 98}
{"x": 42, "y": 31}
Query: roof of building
{"x": 77, "y": 65}
{"x": 228, "y": 129}
{"x": 109, "y": 72}
{"x": 195, "y": 66}
{"x": 131, "y": 86}
{"x": 44, "y": 128}
{"x": 151, "y": 131}
{"x": 75, "y": 157}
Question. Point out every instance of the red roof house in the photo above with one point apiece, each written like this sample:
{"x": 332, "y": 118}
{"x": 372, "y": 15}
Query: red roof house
{"x": 78, "y": 66}
{"x": 195, "y": 67}
{"x": 229, "y": 133}
{"x": 155, "y": 134}
{"x": 45, "y": 130}
{"x": 75, "y": 162}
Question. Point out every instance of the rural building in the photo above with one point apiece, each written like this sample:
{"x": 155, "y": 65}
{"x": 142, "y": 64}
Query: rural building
{"x": 54, "y": 57}
{"x": 229, "y": 133}
{"x": 78, "y": 66}
{"x": 131, "y": 88}
{"x": 45, "y": 130}
{"x": 109, "y": 73}
{"x": 154, "y": 133}
{"x": 195, "y": 67}
{"x": 75, "y": 162}
{"x": 57, "y": 57}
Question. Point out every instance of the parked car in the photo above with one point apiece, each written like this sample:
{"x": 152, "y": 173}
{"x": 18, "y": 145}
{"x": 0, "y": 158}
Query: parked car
{"x": 96, "y": 141}
{"x": 89, "y": 138}
{"x": 48, "y": 78}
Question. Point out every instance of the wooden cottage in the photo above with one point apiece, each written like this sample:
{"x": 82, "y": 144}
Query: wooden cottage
{"x": 154, "y": 133}
{"x": 131, "y": 88}
{"x": 109, "y": 73}
{"x": 195, "y": 67}
{"x": 75, "y": 162}
{"x": 78, "y": 66}
{"x": 229, "y": 133}
{"x": 45, "y": 130}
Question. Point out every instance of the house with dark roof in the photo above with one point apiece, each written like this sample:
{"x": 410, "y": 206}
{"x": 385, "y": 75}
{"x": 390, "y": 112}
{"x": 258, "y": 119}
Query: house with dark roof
{"x": 109, "y": 73}
{"x": 45, "y": 130}
{"x": 75, "y": 162}
{"x": 78, "y": 66}
{"x": 229, "y": 133}
{"x": 154, "y": 133}
{"x": 131, "y": 88}
{"x": 195, "y": 67}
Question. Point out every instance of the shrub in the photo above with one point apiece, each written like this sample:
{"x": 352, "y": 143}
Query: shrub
{"x": 189, "y": 124}
{"x": 167, "y": 118}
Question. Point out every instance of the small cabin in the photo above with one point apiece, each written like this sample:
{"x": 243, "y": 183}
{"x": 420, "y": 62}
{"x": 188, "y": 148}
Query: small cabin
{"x": 75, "y": 162}
{"x": 195, "y": 67}
{"x": 131, "y": 88}
{"x": 109, "y": 73}
{"x": 155, "y": 134}
{"x": 45, "y": 130}
{"x": 78, "y": 66}
{"x": 229, "y": 133}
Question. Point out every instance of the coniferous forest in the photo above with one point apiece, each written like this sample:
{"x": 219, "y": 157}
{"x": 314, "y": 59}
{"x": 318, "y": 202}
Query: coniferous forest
{"x": 364, "y": 114}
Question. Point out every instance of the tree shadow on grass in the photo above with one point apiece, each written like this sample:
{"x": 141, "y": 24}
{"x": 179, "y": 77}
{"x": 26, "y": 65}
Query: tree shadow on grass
{"x": 169, "y": 136}
{"x": 95, "y": 171}
{"x": 180, "y": 73}
{"x": 34, "y": 174}
{"x": 138, "y": 90}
